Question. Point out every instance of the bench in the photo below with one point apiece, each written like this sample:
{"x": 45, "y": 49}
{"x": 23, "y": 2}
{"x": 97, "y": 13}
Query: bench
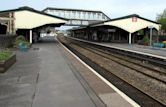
{"x": 23, "y": 47}
{"x": 159, "y": 45}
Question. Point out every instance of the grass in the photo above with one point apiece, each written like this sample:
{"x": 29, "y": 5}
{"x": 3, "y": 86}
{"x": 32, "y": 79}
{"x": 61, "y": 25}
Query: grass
{"x": 5, "y": 54}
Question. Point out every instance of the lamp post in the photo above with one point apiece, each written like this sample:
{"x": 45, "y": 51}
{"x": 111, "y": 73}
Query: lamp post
{"x": 151, "y": 31}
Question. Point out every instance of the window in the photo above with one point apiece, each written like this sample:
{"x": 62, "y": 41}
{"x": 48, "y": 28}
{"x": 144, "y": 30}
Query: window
{"x": 59, "y": 12}
{"x": 84, "y": 14}
{"x": 73, "y": 14}
{"x": 63, "y": 14}
{"x": 69, "y": 14}
{"x": 95, "y": 16}
{"x": 89, "y": 15}
{"x": 51, "y": 11}
{"x": 66, "y": 14}
{"x": 103, "y": 17}
{"x": 56, "y": 12}
{"x": 98, "y": 16}
{"x": 79, "y": 15}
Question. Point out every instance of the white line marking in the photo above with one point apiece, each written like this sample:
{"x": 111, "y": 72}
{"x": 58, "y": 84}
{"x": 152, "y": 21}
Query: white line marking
{"x": 128, "y": 99}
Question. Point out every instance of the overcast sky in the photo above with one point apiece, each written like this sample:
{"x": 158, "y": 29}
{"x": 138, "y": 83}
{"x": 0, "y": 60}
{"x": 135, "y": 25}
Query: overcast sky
{"x": 113, "y": 8}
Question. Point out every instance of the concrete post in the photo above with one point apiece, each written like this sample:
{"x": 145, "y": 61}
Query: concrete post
{"x": 8, "y": 25}
{"x": 30, "y": 36}
{"x": 151, "y": 30}
{"x": 129, "y": 38}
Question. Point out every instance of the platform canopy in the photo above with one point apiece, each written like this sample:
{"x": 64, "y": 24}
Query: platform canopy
{"x": 131, "y": 23}
{"x": 28, "y": 18}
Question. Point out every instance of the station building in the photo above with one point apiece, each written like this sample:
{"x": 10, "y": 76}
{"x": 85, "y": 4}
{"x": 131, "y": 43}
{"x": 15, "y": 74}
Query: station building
{"x": 27, "y": 21}
{"x": 127, "y": 29}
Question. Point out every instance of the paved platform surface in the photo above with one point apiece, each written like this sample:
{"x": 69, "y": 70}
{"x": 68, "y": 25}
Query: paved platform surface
{"x": 42, "y": 78}
{"x": 139, "y": 48}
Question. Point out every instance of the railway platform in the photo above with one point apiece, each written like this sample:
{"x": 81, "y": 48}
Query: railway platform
{"x": 139, "y": 48}
{"x": 148, "y": 51}
{"x": 48, "y": 76}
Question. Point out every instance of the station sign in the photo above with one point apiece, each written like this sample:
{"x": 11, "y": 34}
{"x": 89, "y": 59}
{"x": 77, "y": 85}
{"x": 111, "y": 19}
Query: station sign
{"x": 150, "y": 27}
{"x": 134, "y": 19}
{"x": 111, "y": 30}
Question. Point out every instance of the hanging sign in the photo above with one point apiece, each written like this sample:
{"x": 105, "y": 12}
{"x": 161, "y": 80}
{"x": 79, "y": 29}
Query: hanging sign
{"x": 134, "y": 19}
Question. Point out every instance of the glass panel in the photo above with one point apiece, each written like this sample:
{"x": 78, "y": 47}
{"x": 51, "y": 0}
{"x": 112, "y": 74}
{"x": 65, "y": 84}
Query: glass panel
{"x": 73, "y": 14}
{"x": 79, "y": 15}
{"x": 84, "y": 15}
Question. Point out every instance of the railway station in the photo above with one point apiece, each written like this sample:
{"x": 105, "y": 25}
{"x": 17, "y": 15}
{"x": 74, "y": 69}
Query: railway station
{"x": 98, "y": 64}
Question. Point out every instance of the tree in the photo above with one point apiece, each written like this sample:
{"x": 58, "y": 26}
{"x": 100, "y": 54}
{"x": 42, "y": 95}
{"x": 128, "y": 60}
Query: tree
{"x": 161, "y": 18}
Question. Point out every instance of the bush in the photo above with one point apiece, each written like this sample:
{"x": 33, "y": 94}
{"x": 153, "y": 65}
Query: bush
{"x": 146, "y": 40}
{"x": 21, "y": 39}
{"x": 5, "y": 54}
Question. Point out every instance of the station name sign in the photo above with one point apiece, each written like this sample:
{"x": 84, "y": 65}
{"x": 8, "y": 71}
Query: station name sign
{"x": 134, "y": 19}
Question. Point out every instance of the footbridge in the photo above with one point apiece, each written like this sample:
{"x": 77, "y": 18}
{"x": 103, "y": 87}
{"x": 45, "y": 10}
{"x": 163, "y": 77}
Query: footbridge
{"x": 78, "y": 17}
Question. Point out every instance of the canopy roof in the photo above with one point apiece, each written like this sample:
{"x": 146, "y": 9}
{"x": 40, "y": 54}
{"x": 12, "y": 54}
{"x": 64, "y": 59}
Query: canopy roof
{"x": 28, "y": 18}
{"x": 131, "y": 23}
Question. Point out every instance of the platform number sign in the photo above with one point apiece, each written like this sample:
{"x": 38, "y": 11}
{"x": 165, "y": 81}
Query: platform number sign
{"x": 134, "y": 19}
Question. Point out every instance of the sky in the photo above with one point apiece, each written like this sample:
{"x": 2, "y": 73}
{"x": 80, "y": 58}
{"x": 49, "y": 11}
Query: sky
{"x": 113, "y": 8}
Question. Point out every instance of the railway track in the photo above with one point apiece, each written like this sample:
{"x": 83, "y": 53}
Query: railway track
{"x": 150, "y": 72}
{"x": 140, "y": 95}
{"x": 144, "y": 57}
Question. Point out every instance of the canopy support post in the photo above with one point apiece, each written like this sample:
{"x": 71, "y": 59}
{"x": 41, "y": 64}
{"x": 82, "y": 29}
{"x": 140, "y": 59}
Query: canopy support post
{"x": 130, "y": 38}
{"x": 30, "y": 36}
